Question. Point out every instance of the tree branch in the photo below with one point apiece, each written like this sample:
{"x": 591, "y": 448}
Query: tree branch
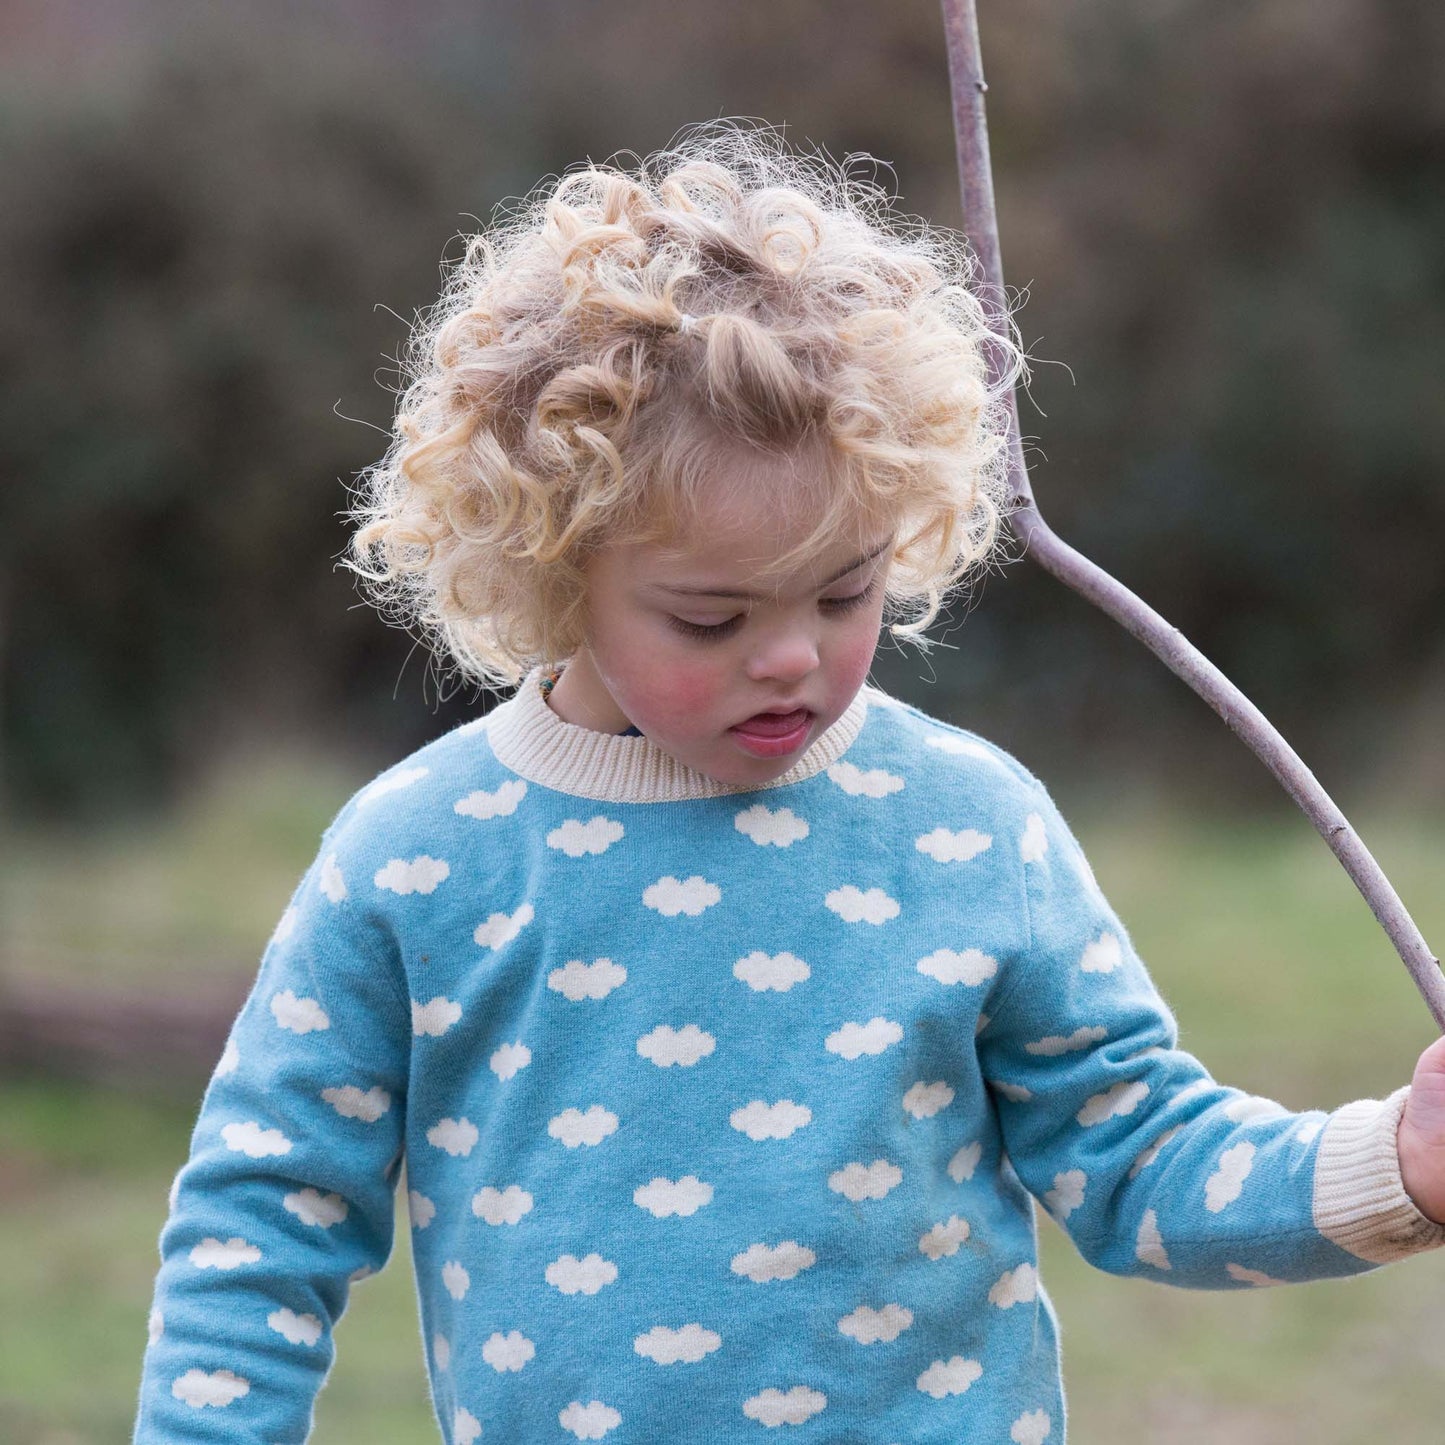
{"x": 965, "y": 67}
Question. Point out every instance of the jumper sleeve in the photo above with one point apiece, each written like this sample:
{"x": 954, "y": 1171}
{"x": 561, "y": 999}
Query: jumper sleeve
{"x": 288, "y": 1193}
{"x": 1152, "y": 1167}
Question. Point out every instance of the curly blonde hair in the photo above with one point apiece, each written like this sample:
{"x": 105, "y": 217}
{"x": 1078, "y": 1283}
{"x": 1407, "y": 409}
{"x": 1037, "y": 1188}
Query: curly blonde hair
{"x": 619, "y": 333}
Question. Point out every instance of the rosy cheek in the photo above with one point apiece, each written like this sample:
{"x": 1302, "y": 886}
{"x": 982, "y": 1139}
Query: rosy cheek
{"x": 694, "y": 690}
{"x": 855, "y": 657}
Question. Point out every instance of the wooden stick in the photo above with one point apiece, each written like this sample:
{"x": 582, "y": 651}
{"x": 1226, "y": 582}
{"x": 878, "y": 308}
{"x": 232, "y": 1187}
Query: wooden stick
{"x": 965, "y": 68}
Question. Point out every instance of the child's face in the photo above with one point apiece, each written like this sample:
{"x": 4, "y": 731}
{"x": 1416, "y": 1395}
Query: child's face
{"x": 671, "y": 653}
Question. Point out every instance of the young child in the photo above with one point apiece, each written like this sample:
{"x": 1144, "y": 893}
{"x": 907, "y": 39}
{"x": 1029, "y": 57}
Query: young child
{"x": 727, "y": 1015}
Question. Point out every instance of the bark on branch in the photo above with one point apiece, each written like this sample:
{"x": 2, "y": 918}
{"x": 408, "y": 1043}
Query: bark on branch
{"x": 1074, "y": 570}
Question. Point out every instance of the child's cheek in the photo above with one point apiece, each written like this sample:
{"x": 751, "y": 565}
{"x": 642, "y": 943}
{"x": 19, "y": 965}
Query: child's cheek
{"x": 694, "y": 693}
{"x": 854, "y": 658}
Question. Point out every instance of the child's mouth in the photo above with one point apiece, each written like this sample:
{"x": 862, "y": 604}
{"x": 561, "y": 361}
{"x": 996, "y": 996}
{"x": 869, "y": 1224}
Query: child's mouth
{"x": 771, "y": 734}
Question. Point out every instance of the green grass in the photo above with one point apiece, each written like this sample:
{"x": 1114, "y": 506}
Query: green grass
{"x": 1281, "y": 980}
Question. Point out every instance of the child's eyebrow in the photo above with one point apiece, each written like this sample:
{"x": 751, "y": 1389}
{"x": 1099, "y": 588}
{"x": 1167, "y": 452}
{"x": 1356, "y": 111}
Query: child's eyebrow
{"x": 753, "y": 596}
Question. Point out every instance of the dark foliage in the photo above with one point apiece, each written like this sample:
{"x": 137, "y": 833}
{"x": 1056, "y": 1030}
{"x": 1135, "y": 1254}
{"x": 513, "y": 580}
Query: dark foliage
{"x": 1231, "y": 221}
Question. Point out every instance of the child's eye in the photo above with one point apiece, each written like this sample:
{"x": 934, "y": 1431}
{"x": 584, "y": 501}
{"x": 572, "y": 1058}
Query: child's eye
{"x": 846, "y": 604}
{"x": 705, "y": 632}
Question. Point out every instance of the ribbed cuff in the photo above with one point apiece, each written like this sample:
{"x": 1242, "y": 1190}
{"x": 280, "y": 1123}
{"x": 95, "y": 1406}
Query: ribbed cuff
{"x": 1360, "y": 1203}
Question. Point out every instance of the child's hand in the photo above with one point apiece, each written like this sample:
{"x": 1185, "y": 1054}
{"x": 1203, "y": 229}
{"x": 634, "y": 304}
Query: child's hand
{"x": 1421, "y": 1138}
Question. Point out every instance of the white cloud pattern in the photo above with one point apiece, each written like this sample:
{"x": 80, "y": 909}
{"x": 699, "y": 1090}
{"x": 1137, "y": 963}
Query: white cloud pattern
{"x": 763, "y": 1263}
{"x": 1149, "y": 1243}
{"x": 1067, "y": 1194}
{"x": 229, "y": 1060}
{"x": 421, "y": 875}
{"x": 852, "y": 1041}
{"x": 858, "y": 783}
{"x": 1014, "y": 1287}
{"x": 1103, "y": 955}
{"x": 286, "y": 924}
{"x": 353, "y": 1103}
{"x": 501, "y": 1206}
{"x": 574, "y": 1127}
{"x": 962, "y": 1165}
{"x": 780, "y": 828}
{"x": 785, "y": 1407}
{"x": 332, "y": 883}
{"x": 671, "y": 896}
{"x": 393, "y": 782}
{"x": 856, "y": 905}
{"x": 586, "y": 1276}
{"x": 466, "y": 1428}
{"x": 498, "y": 804}
{"x": 874, "y": 1326}
{"x": 777, "y": 972}
{"x": 1152, "y": 1152}
{"x": 213, "y": 1253}
{"x": 1222, "y": 1187}
{"x": 666, "y": 1046}
{"x": 685, "y": 1346}
{"x": 949, "y": 1377}
{"x": 501, "y": 928}
{"x": 1249, "y": 1108}
{"x": 508, "y": 1353}
{"x": 1199, "y": 1086}
{"x": 420, "y": 1209}
{"x": 1120, "y": 1099}
{"x": 865, "y": 1181}
{"x": 761, "y": 1120}
{"x": 576, "y": 838}
{"x": 923, "y": 1101}
{"x": 253, "y": 1141}
{"x": 972, "y": 966}
{"x": 298, "y": 1329}
{"x": 456, "y": 1279}
{"x": 664, "y": 1197}
{"x": 961, "y": 747}
{"x": 1034, "y": 844}
{"x": 458, "y": 1137}
{"x": 578, "y": 980}
{"x": 1251, "y": 1276}
{"x": 944, "y": 1239}
{"x": 1054, "y": 1045}
{"x": 1031, "y": 1428}
{"x": 590, "y": 1421}
{"x": 313, "y": 1207}
{"x": 220, "y": 1388}
{"x": 433, "y": 1019}
{"x": 299, "y": 1015}
{"x": 509, "y": 1060}
{"x": 946, "y": 847}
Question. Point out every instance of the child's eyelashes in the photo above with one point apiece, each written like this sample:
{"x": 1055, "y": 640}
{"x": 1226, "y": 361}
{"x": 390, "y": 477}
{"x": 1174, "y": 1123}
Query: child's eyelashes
{"x": 847, "y": 604}
{"x": 716, "y": 631}
{"x": 703, "y": 632}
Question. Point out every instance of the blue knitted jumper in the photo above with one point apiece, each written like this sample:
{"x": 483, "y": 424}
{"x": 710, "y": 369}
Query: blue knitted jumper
{"x": 723, "y": 1112}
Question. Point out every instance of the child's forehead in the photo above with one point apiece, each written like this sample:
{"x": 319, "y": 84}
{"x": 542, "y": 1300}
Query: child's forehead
{"x": 767, "y": 520}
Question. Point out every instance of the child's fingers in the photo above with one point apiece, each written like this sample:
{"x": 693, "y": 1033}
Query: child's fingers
{"x": 1425, "y": 1111}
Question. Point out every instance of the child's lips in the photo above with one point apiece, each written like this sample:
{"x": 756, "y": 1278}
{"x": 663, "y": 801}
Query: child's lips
{"x": 773, "y": 734}
{"x": 774, "y": 724}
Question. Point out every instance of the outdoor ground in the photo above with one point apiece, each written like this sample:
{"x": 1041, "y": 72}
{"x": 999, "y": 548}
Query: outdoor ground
{"x": 1281, "y": 980}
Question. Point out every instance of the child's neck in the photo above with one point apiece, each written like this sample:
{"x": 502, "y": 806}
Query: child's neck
{"x": 580, "y": 697}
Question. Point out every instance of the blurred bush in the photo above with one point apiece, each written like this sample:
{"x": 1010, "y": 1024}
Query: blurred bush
{"x": 1229, "y": 217}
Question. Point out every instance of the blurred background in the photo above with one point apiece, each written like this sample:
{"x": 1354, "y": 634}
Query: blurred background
{"x": 215, "y": 226}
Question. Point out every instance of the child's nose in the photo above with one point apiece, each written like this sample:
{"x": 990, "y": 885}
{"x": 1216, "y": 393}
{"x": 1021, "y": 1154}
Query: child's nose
{"x": 787, "y": 655}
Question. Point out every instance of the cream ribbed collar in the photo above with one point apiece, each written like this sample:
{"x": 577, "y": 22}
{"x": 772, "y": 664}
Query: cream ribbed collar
{"x": 534, "y": 742}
